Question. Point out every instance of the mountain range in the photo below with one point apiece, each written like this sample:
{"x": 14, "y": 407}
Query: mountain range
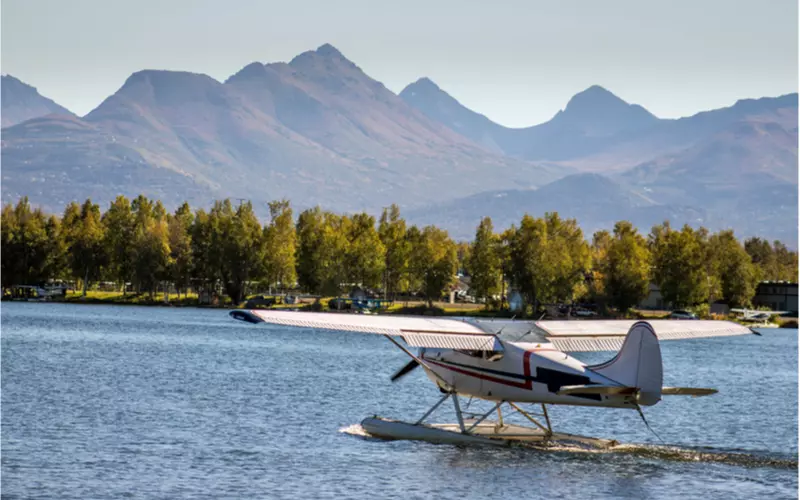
{"x": 318, "y": 130}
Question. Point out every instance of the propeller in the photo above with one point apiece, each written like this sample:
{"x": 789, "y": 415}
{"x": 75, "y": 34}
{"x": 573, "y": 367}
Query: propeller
{"x": 404, "y": 370}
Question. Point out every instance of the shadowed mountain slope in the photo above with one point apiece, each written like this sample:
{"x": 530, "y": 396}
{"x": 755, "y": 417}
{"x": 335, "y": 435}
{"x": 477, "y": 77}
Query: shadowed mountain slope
{"x": 597, "y": 202}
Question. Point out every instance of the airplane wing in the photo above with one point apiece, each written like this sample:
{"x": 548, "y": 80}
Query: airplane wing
{"x": 415, "y": 331}
{"x": 480, "y": 335}
{"x": 757, "y": 316}
{"x": 757, "y": 311}
{"x": 608, "y": 335}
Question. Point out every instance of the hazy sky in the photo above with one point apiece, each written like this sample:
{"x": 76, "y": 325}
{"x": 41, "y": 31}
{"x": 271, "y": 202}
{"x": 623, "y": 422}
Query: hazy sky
{"x": 518, "y": 62}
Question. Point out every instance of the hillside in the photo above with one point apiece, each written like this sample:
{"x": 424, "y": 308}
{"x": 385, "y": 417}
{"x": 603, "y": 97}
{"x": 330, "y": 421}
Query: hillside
{"x": 22, "y": 102}
{"x": 597, "y": 202}
{"x": 737, "y": 166}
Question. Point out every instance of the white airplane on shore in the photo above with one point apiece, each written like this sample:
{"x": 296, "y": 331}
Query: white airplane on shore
{"x": 758, "y": 318}
{"x": 469, "y": 358}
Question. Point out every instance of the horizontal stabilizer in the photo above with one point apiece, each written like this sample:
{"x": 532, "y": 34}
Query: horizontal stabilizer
{"x": 607, "y": 390}
{"x": 616, "y": 390}
{"x": 687, "y": 391}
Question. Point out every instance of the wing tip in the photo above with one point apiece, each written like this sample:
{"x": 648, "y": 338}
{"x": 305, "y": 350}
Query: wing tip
{"x": 246, "y": 316}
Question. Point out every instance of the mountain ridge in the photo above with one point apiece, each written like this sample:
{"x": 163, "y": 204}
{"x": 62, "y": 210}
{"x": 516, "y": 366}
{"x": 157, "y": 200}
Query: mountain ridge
{"x": 21, "y": 102}
{"x": 318, "y": 130}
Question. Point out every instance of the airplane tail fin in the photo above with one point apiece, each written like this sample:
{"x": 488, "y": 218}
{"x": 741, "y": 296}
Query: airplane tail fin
{"x": 637, "y": 364}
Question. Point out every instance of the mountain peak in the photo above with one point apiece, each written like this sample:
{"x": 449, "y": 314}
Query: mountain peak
{"x": 426, "y": 82}
{"x": 328, "y": 50}
{"x": 10, "y": 79}
{"x": 424, "y": 86}
{"x": 594, "y": 96}
{"x": 596, "y": 110}
{"x": 163, "y": 82}
{"x": 325, "y": 52}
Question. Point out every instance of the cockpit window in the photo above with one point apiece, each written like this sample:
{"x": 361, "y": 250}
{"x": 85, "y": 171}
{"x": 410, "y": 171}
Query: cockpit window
{"x": 487, "y": 355}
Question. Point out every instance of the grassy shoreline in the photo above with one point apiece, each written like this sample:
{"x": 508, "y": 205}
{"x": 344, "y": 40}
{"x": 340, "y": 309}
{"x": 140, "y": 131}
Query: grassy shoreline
{"x": 411, "y": 308}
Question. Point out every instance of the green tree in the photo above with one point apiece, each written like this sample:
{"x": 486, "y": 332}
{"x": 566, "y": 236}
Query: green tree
{"x": 281, "y": 245}
{"x": 623, "y": 262}
{"x": 596, "y": 292}
{"x": 680, "y": 266}
{"x": 484, "y": 262}
{"x": 463, "y": 257}
{"x": 415, "y": 272}
{"x": 204, "y": 267}
{"x": 152, "y": 254}
{"x": 237, "y": 247}
{"x": 549, "y": 259}
{"x": 433, "y": 261}
{"x": 120, "y": 229}
{"x": 786, "y": 262}
{"x": 56, "y": 249}
{"x": 10, "y": 255}
{"x": 774, "y": 262}
{"x": 180, "y": 246}
{"x": 321, "y": 251}
{"x": 142, "y": 209}
{"x": 527, "y": 253}
{"x": 569, "y": 251}
{"x": 84, "y": 237}
{"x": 32, "y": 245}
{"x": 505, "y": 241}
{"x": 365, "y": 258}
{"x": 734, "y": 269}
{"x": 760, "y": 252}
{"x": 392, "y": 231}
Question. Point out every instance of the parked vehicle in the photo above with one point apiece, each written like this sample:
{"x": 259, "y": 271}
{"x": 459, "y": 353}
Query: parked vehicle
{"x": 583, "y": 313}
{"x": 339, "y": 304}
{"x": 681, "y": 314}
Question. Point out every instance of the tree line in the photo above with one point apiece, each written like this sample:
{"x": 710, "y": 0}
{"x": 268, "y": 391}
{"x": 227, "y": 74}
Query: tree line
{"x": 142, "y": 247}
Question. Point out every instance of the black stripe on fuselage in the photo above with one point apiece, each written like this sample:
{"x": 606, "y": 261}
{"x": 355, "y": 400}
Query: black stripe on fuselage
{"x": 553, "y": 379}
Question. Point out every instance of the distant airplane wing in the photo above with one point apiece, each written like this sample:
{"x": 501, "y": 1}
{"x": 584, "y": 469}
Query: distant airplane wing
{"x": 415, "y": 331}
{"x": 748, "y": 313}
{"x": 608, "y": 335}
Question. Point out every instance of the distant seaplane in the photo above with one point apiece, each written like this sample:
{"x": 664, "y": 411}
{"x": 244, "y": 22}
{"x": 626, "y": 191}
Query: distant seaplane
{"x": 761, "y": 319}
{"x": 469, "y": 358}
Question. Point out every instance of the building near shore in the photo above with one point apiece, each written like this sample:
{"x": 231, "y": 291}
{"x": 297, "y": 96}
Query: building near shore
{"x": 776, "y": 295}
{"x": 654, "y": 300}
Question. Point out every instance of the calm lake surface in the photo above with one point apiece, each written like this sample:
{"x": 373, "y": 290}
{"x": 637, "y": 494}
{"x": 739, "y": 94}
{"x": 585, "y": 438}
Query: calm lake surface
{"x": 110, "y": 402}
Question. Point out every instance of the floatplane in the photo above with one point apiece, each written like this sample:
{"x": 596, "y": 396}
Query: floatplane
{"x": 760, "y": 319}
{"x": 476, "y": 358}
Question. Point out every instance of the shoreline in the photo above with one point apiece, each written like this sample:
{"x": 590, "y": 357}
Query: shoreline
{"x": 410, "y": 308}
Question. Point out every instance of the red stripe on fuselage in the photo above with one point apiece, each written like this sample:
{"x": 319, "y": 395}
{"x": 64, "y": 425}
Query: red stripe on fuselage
{"x": 526, "y": 369}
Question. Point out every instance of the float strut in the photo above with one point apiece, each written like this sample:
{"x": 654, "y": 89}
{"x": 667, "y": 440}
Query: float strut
{"x": 525, "y": 414}
{"x": 547, "y": 419}
{"x": 458, "y": 413}
{"x": 433, "y": 408}
{"x": 500, "y": 423}
{"x": 483, "y": 417}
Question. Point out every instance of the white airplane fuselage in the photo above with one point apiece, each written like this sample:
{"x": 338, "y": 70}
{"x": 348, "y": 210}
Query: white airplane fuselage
{"x": 523, "y": 372}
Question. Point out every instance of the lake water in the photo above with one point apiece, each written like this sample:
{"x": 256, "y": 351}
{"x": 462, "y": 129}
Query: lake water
{"x": 112, "y": 402}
